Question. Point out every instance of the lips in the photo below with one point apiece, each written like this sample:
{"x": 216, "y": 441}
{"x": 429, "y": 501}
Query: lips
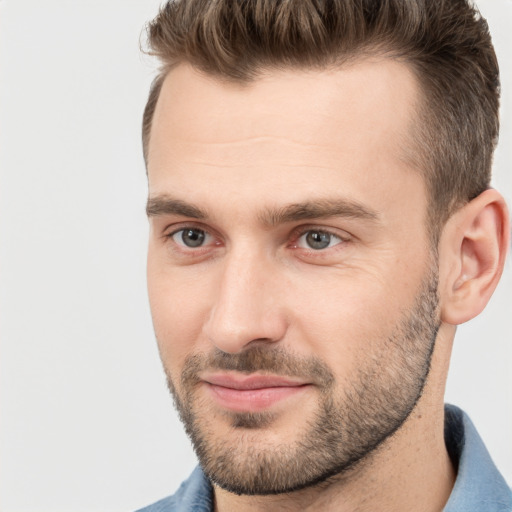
{"x": 251, "y": 393}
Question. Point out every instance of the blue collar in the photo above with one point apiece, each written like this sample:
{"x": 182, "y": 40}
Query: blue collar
{"x": 479, "y": 487}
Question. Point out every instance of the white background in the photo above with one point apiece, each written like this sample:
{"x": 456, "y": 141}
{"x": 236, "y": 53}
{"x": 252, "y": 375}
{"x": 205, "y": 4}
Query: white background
{"x": 86, "y": 421}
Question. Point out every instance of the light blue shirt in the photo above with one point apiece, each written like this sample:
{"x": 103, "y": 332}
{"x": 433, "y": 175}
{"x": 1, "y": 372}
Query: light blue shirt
{"x": 479, "y": 487}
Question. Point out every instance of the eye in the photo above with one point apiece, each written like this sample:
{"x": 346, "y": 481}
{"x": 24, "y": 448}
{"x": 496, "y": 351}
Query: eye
{"x": 317, "y": 240}
{"x": 191, "y": 237}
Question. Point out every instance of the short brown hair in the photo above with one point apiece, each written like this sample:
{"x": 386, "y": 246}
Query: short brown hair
{"x": 445, "y": 42}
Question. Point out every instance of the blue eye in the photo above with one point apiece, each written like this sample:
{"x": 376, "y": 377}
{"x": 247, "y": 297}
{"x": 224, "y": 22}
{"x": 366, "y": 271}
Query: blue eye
{"x": 318, "y": 240}
{"x": 190, "y": 237}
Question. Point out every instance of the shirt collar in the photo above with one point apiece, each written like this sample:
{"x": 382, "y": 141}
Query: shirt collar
{"x": 479, "y": 486}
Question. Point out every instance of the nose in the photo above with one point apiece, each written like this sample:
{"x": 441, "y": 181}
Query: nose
{"x": 247, "y": 306}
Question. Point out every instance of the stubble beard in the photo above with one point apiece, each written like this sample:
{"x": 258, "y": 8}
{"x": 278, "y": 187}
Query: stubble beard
{"x": 344, "y": 431}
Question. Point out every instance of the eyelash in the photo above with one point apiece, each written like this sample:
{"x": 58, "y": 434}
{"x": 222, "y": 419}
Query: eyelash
{"x": 295, "y": 237}
{"x": 314, "y": 229}
{"x": 188, "y": 227}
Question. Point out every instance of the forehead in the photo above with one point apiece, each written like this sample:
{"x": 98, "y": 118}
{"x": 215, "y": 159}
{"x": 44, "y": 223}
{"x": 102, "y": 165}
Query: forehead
{"x": 308, "y": 129}
{"x": 378, "y": 91}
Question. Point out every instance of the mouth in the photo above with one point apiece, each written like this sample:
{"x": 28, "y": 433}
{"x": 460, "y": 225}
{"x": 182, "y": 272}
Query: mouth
{"x": 251, "y": 393}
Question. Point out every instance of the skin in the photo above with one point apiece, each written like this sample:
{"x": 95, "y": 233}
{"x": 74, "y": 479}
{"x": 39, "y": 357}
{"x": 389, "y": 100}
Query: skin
{"x": 235, "y": 156}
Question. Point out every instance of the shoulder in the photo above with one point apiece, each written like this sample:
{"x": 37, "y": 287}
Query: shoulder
{"x": 194, "y": 495}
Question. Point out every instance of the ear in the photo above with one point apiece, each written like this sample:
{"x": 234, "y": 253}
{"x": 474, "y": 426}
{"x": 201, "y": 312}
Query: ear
{"x": 472, "y": 252}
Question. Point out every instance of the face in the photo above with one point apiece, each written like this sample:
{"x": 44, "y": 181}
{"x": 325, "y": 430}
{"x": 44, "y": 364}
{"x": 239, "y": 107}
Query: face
{"x": 290, "y": 277}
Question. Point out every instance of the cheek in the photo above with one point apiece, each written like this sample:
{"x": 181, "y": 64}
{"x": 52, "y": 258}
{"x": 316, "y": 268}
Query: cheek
{"x": 177, "y": 314}
{"x": 346, "y": 321}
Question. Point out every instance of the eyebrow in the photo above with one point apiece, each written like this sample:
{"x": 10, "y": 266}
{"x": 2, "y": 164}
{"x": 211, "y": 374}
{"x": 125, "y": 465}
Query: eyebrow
{"x": 318, "y": 209}
{"x": 165, "y": 205}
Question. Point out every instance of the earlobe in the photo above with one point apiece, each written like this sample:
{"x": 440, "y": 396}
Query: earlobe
{"x": 472, "y": 254}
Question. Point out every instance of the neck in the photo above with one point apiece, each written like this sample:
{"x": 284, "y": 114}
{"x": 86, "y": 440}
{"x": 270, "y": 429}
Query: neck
{"x": 410, "y": 471}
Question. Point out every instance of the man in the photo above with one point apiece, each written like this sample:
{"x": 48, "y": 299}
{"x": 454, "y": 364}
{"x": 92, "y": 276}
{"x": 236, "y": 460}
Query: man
{"x": 321, "y": 221}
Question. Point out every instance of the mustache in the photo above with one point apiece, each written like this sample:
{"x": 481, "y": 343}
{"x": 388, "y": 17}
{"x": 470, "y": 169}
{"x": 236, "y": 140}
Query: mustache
{"x": 263, "y": 359}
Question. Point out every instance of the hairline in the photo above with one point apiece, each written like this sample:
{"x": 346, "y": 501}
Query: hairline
{"x": 366, "y": 50}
